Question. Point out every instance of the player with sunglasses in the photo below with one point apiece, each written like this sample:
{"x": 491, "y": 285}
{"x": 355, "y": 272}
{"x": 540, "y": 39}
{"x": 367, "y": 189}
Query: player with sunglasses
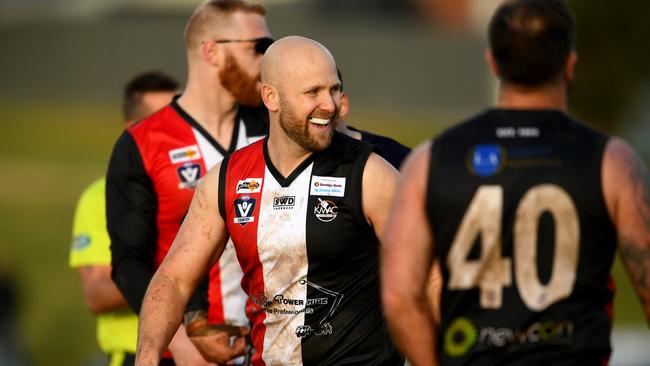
{"x": 158, "y": 162}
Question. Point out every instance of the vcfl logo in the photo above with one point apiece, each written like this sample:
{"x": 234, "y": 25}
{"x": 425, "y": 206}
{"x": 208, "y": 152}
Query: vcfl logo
{"x": 325, "y": 210}
{"x": 244, "y": 208}
{"x": 189, "y": 175}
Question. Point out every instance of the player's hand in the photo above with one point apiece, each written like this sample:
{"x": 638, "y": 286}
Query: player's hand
{"x": 184, "y": 352}
{"x": 214, "y": 340}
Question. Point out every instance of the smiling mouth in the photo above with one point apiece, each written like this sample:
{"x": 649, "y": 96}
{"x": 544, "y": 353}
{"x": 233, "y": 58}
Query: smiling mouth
{"x": 320, "y": 121}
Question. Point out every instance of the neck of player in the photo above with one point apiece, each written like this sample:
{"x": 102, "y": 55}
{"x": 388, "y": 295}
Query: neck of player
{"x": 211, "y": 106}
{"x": 549, "y": 96}
{"x": 285, "y": 154}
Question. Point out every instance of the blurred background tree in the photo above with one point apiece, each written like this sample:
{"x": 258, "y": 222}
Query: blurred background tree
{"x": 614, "y": 67}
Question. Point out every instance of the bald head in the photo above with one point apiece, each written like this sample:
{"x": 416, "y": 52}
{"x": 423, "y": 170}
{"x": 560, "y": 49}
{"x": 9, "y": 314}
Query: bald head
{"x": 295, "y": 58}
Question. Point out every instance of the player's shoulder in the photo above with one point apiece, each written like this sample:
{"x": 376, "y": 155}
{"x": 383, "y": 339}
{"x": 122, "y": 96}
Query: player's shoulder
{"x": 94, "y": 191}
{"x": 163, "y": 119}
{"x": 388, "y": 148}
{"x": 344, "y": 146}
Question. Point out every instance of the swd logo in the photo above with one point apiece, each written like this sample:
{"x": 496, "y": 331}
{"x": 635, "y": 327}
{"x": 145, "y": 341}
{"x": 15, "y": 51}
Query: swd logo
{"x": 284, "y": 202}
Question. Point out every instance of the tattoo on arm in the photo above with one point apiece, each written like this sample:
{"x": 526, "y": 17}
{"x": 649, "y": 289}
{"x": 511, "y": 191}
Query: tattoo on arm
{"x": 636, "y": 258}
{"x": 634, "y": 245}
{"x": 640, "y": 178}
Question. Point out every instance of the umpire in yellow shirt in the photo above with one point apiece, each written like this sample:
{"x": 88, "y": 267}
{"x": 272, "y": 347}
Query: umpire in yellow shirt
{"x": 117, "y": 325}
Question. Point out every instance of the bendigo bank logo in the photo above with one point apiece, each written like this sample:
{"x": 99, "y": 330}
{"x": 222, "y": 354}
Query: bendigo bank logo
{"x": 284, "y": 202}
{"x": 326, "y": 210}
{"x": 244, "y": 209}
{"x": 249, "y": 185}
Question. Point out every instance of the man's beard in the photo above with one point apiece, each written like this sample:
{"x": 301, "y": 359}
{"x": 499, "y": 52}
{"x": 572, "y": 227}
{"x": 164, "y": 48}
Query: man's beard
{"x": 239, "y": 83}
{"x": 300, "y": 133}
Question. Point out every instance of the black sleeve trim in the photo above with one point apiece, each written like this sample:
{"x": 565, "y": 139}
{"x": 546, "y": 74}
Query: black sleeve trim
{"x": 222, "y": 186}
{"x": 131, "y": 210}
{"x": 359, "y": 168}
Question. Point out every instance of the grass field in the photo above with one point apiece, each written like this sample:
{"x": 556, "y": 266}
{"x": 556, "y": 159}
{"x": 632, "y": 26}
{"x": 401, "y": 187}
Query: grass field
{"x": 50, "y": 152}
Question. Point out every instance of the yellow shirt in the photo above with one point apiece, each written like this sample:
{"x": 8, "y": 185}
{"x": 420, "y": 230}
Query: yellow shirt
{"x": 116, "y": 331}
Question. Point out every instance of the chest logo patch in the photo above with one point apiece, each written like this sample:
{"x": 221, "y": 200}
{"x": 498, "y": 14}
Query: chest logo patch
{"x": 249, "y": 185}
{"x": 327, "y": 186}
{"x": 326, "y": 210}
{"x": 189, "y": 175}
{"x": 284, "y": 202}
{"x": 185, "y": 154}
{"x": 486, "y": 160}
{"x": 244, "y": 209}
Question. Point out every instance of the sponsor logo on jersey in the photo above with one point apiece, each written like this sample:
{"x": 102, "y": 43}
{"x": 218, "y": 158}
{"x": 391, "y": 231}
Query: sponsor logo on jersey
{"x": 303, "y": 331}
{"x": 327, "y": 186}
{"x": 521, "y": 132}
{"x": 80, "y": 241}
{"x": 284, "y": 202}
{"x": 184, "y": 154}
{"x": 189, "y": 174}
{"x": 281, "y": 305}
{"x": 486, "y": 160}
{"x": 244, "y": 209}
{"x": 462, "y": 335}
{"x": 249, "y": 185}
{"x": 326, "y": 210}
{"x": 539, "y": 332}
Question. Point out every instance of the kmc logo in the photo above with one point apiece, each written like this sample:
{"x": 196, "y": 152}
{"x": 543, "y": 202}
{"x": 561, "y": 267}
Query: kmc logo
{"x": 326, "y": 210}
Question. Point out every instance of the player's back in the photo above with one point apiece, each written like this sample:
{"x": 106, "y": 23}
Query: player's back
{"x": 525, "y": 242}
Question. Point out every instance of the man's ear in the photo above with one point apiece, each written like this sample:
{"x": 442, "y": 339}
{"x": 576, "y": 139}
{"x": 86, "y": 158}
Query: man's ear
{"x": 270, "y": 97}
{"x": 345, "y": 106}
{"x": 570, "y": 66}
{"x": 211, "y": 53}
{"x": 489, "y": 58}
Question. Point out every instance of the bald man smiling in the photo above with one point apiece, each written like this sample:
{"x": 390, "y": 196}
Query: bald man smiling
{"x": 305, "y": 208}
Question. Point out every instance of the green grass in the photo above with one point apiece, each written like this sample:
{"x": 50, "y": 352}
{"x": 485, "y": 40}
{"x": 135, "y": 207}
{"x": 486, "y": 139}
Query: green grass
{"x": 49, "y": 154}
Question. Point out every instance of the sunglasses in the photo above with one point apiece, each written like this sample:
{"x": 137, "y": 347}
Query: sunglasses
{"x": 261, "y": 44}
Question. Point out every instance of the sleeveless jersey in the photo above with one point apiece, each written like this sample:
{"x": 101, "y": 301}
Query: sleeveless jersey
{"x": 309, "y": 257}
{"x": 176, "y": 152}
{"x": 525, "y": 242}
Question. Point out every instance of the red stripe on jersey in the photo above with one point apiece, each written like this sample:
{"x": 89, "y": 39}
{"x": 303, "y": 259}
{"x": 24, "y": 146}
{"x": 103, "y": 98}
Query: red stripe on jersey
{"x": 156, "y": 136}
{"x": 245, "y": 164}
{"x": 215, "y": 311}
